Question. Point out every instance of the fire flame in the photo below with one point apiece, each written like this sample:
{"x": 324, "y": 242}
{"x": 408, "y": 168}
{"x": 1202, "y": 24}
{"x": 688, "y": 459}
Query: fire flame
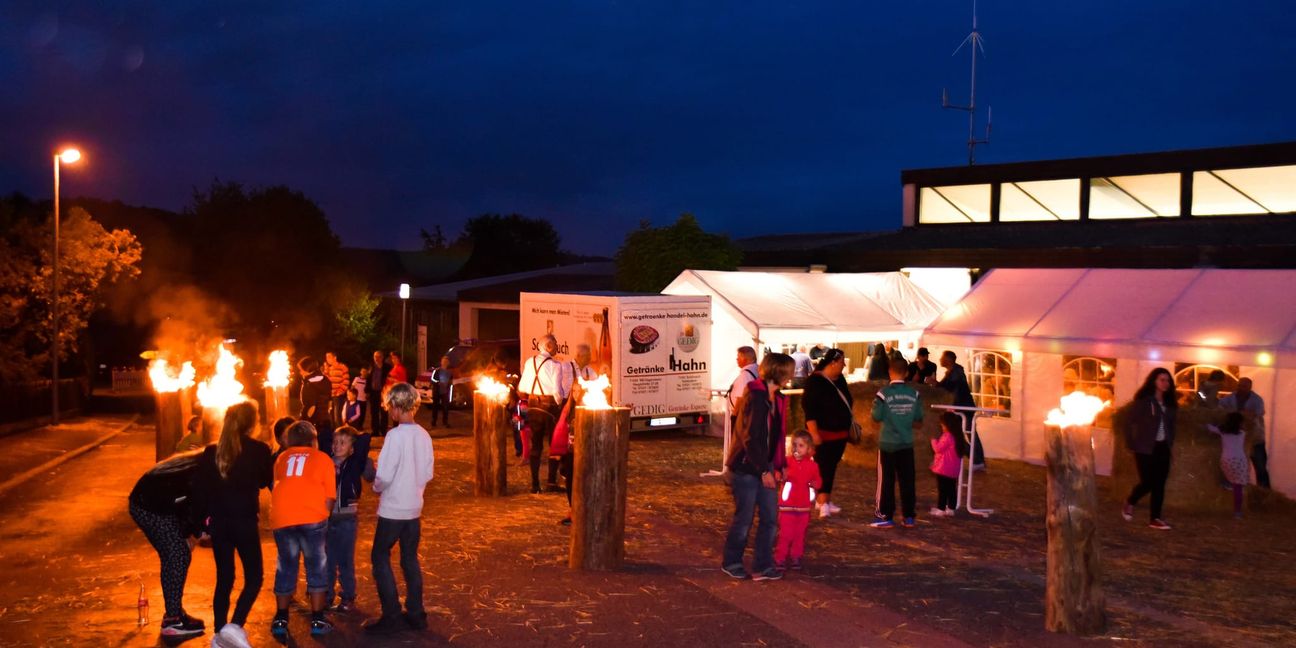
{"x": 491, "y": 388}
{"x": 166, "y": 381}
{"x": 594, "y": 394}
{"x": 1077, "y": 408}
{"x": 222, "y": 389}
{"x": 277, "y": 374}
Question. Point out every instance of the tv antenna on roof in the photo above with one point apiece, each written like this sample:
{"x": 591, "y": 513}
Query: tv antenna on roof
{"x": 974, "y": 42}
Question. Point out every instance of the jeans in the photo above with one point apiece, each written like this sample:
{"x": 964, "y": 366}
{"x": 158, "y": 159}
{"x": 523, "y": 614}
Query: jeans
{"x": 1153, "y": 471}
{"x": 387, "y": 533}
{"x": 750, "y": 495}
{"x": 377, "y": 415}
{"x": 340, "y": 542}
{"x": 228, "y": 536}
{"x": 306, "y": 541}
{"x": 440, "y": 403}
{"x": 337, "y": 409}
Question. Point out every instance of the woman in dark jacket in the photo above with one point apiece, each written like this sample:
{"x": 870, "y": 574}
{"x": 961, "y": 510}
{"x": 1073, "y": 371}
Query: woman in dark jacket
{"x": 229, "y": 477}
{"x": 1150, "y": 434}
{"x": 754, "y": 462}
{"x": 828, "y": 406}
{"x": 160, "y": 504}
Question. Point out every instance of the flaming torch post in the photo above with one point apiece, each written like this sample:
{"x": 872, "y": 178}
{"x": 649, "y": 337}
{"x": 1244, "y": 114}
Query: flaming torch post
{"x": 173, "y": 407}
{"x": 1074, "y": 602}
{"x": 490, "y": 438}
{"x": 602, "y": 452}
{"x": 276, "y": 387}
{"x": 218, "y": 393}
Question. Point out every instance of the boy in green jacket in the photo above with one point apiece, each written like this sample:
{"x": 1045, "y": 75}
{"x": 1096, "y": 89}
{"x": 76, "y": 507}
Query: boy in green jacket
{"x": 900, "y": 410}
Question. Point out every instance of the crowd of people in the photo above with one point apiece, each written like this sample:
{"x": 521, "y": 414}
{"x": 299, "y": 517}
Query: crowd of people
{"x": 210, "y": 495}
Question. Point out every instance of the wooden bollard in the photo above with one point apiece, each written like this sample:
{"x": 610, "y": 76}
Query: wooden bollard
{"x": 170, "y": 421}
{"x": 490, "y": 446}
{"x": 599, "y": 471}
{"x": 276, "y": 405}
{"x": 1074, "y": 602}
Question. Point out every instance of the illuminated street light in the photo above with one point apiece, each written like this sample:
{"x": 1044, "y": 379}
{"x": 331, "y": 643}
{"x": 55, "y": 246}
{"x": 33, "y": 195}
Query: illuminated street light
{"x": 404, "y": 295}
{"x": 67, "y": 156}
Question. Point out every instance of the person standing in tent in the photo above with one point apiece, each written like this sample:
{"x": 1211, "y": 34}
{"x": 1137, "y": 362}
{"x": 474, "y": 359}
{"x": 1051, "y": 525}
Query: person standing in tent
{"x": 1150, "y": 434}
{"x": 955, "y": 381}
{"x": 747, "y": 372}
{"x": 921, "y": 368}
{"x": 879, "y": 363}
{"x": 828, "y": 417}
{"x": 804, "y": 367}
{"x": 1252, "y": 408}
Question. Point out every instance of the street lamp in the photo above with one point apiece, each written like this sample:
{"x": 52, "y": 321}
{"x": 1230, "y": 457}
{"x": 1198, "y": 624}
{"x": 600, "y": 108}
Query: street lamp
{"x": 66, "y": 156}
{"x": 404, "y": 295}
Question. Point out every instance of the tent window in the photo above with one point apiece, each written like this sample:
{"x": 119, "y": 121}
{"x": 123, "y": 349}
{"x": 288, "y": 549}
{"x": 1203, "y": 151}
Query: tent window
{"x": 1093, "y": 376}
{"x": 990, "y": 377}
{"x": 1191, "y": 381}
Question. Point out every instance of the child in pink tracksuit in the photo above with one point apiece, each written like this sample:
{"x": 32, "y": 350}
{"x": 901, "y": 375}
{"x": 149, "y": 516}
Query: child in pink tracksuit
{"x": 945, "y": 463}
{"x": 795, "y": 501}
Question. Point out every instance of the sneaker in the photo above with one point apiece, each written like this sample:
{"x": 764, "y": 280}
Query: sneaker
{"x": 1159, "y": 525}
{"x": 949, "y": 512}
{"x": 1127, "y": 512}
{"x": 780, "y": 566}
{"x": 832, "y": 508}
{"x": 192, "y": 620}
{"x": 796, "y": 565}
{"x": 824, "y": 512}
{"x": 416, "y": 621}
{"x": 234, "y": 636}
{"x": 216, "y": 642}
{"x": 181, "y": 626}
{"x": 344, "y": 606}
{"x": 908, "y": 523}
{"x": 320, "y": 626}
{"x": 883, "y": 523}
{"x": 734, "y": 571}
{"x": 768, "y": 574}
{"x": 978, "y": 467}
{"x": 385, "y": 625}
{"x": 279, "y": 626}
{"x": 936, "y": 512}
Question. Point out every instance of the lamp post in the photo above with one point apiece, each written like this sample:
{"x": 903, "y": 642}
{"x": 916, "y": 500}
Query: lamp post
{"x": 66, "y": 156}
{"x": 404, "y": 295}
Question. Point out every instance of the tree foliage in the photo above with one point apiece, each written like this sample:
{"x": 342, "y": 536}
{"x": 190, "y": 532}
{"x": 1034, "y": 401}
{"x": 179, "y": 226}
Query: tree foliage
{"x": 91, "y": 259}
{"x": 504, "y": 244}
{"x": 651, "y": 257}
{"x": 359, "y": 326}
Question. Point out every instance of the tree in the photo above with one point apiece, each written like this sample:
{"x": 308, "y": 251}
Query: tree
{"x": 504, "y": 244}
{"x": 91, "y": 259}
{"x": 650, "y": 258}
{"x": 359, "y": 327}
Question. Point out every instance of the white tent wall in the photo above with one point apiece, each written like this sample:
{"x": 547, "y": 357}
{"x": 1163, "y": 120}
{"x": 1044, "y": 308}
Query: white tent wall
{"x": 1281, "y": 403}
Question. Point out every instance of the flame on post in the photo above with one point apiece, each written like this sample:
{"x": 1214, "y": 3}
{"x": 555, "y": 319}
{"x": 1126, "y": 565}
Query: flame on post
{"x": 222, "y": 389}
{"x": 491, "y": 388}
{"x": 166, "y": 380}
{"x": 279, "y": 371}
{"x": 1077, "y": 409}
{"x": 594, "y": 393}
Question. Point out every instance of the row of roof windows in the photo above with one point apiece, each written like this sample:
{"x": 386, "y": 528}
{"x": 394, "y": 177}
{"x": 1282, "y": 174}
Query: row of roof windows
{"x": 1224, "y": 192}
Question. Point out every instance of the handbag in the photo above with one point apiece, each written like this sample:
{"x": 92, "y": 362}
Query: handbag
{"x": 856, "y": 433}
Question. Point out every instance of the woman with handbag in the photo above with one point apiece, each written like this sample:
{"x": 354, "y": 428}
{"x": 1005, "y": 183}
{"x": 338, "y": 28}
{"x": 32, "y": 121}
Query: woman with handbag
{"x": 829, "y": 419}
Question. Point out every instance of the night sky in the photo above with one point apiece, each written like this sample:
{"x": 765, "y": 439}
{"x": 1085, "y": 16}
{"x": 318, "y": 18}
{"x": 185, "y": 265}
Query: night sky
{"x": 759, "y": 117}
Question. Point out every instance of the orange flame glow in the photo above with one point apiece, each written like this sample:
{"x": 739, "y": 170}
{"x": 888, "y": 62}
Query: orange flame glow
{"x": 166, "y": 381}
{"x": 277, "y": 374}
{"x": 222, "y": 389}
{"x": 595, "y": 393}
{"x": 491, "y": 388}
{"x": 1078, "y": 408}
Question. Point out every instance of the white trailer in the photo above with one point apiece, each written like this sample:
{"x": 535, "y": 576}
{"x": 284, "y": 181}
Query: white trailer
{"x": 655, "y": 349}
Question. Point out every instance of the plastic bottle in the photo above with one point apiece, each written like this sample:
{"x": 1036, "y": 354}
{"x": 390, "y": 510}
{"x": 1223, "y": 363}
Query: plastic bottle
{"x": 143, "y": 605}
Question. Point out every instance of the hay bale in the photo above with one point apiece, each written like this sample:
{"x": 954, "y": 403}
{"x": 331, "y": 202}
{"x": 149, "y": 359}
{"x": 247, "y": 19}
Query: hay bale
{"x": 1194, "y": 483}
{"x": 863, "y": 393}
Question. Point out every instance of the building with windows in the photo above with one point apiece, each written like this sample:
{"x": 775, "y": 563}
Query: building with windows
{"x": 1028, "y": 336}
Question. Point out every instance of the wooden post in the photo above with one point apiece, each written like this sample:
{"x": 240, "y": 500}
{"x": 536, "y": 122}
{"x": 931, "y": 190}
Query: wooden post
{"x": 170, "y": 423}
{"x": 602, "y": 454}
{"x": 1074, "y": 602}
{"x": 276, "y": 405}
{"x": 490, "y": 446}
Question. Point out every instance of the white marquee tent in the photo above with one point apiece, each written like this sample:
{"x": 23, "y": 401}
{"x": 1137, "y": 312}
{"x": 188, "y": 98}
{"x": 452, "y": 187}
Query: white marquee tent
{"x": 1025, "y": 335}
{"x": 772, "y": 309}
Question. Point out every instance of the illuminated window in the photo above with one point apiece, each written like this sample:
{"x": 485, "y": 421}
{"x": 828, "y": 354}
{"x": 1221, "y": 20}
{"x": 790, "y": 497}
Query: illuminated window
{"x": 990, "y": 376}
{"x": 1093, "y": 376}
{"x": 1193, "y": 383}
{"x": 1140, "y": 196}
{"x": 1045, "y": 200}
{"x": 955, "y": 204}
{"x": 1260, "y": 190}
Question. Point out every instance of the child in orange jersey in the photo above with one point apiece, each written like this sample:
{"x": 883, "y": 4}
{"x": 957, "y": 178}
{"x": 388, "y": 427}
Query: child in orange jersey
{"x": 304, "y": 489}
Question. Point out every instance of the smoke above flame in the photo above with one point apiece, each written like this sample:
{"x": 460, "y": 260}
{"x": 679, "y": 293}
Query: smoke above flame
{"x": 222, "y": 389}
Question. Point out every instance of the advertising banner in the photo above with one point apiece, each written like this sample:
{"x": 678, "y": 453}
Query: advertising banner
{"x": 664, "y": 360}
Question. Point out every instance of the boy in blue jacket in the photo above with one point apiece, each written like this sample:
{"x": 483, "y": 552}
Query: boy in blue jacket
{"x": 352, "y": 463}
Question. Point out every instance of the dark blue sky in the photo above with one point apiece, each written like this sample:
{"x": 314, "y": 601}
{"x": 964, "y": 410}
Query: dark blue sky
{"x": 759, "y": 117}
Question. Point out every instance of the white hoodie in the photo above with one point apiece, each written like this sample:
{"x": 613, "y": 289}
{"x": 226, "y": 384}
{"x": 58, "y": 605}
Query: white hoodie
{"x": 404, "y": 469}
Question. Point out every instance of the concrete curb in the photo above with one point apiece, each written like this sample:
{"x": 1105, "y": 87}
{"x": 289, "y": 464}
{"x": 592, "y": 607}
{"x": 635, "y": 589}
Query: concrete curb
{"x": 18, "y": 479}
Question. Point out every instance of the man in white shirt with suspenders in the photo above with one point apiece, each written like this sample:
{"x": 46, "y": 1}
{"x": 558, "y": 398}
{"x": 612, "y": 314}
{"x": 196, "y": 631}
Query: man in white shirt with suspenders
{"x": 747, "y": 372}
{"x": 545, "y": 389}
